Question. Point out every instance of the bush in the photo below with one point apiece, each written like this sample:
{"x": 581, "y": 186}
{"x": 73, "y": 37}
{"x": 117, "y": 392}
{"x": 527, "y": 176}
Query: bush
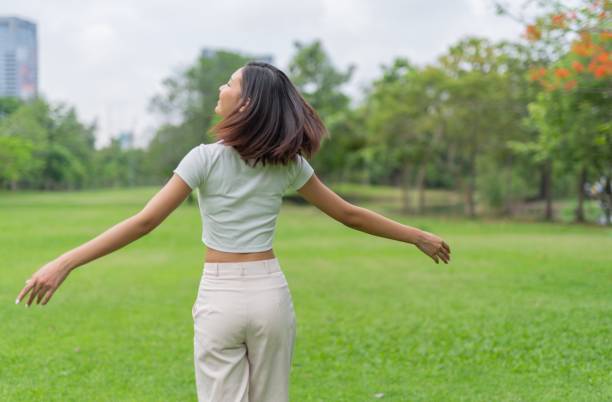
{"x": 499, "y": 186}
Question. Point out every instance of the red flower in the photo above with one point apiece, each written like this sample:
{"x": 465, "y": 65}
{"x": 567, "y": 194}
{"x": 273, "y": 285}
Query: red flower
{"x": 600, "y": 71}
{"x": 558, "y": 20}
{"x": 562, "y": 72}
{"x": 577, "y": 66}
{"x": 569, "y": 85}
{"x": 533, "y": 33}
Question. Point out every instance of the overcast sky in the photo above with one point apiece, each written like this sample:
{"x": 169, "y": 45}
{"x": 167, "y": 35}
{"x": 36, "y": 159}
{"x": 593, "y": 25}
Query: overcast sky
{"x": 108, "y": 57}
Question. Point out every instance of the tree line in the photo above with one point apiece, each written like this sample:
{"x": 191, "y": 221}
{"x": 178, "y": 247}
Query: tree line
{"x": 500, "y": 123}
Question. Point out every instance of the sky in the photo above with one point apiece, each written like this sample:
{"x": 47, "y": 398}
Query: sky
{"x": 108, "y": 57}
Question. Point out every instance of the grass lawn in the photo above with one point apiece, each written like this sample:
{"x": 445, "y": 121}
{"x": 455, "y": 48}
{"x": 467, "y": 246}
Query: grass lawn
{"x": 522, "y": 313}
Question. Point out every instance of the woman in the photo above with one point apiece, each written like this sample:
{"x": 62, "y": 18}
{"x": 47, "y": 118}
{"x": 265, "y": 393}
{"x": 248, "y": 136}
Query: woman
{"x": 244, "y": 321}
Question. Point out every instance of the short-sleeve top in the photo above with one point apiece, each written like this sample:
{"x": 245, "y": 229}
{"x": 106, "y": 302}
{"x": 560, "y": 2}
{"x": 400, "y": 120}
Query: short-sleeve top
{"x": 238, "y": 203}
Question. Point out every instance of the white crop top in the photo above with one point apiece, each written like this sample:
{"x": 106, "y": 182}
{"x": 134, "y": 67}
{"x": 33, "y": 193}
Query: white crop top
{"x": 238, "y": 203}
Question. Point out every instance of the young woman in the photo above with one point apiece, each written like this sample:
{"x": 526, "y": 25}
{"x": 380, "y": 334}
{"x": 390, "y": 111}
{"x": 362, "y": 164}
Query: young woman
{"x": 244, "y": 321}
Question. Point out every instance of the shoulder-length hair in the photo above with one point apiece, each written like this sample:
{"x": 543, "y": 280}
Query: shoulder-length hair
{"x": 276, "y": 124}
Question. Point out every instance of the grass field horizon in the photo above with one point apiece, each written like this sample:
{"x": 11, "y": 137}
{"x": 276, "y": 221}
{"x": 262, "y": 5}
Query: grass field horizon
{"x": 522, "y": 312}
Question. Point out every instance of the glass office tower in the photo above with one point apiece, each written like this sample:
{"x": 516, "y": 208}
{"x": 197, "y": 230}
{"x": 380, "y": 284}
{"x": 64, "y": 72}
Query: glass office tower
{"x": 18, "y": 58}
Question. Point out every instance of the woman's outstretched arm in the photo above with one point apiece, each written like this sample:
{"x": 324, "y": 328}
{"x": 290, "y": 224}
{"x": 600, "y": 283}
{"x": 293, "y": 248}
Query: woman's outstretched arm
{"x": 362, "y": 219}
{"x": 48, "y": 278}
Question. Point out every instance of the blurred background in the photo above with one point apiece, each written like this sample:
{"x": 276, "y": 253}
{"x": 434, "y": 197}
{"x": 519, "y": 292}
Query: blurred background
{"x": 472, "y": 108}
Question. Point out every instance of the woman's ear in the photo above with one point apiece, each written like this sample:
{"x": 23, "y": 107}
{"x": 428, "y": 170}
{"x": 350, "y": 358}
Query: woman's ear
{"x": 245, "y": 105}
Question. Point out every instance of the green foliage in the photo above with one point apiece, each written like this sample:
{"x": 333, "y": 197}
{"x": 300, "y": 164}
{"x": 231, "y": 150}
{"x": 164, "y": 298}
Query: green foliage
{"x": 187, "y": 102}
{"x": 60, "y": 146}
{"x": 499, "y": 186}
{"x": 418, "y": 126}
{"x": 16, "y": 159}
{"x": 115, "y": 167}
{"x": 8, "y": 105}
{"x": 312, "y": 71}
{"x": 62, "y": 167}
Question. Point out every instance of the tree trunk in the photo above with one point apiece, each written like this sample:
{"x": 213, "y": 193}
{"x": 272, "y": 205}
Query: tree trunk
{"x": 547, "y": 186}
{"x": 606, "y": 200}
{"x": 470, "y": 207}
{"x": 508, "y": 202}
{"x": 579, "y": 217}
{"x": 405, "y": 187}
{"x": 421, "y": 186}
{"x": 543, "y": 181}
{"x": 470, "y": 187}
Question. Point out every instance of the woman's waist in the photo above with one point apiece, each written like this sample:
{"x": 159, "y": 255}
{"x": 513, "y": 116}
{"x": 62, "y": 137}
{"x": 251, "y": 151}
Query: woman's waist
{"x": 218, "y": 256}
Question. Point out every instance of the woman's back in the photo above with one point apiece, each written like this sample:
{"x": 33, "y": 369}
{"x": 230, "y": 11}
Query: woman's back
{"x": 238, "y": 203}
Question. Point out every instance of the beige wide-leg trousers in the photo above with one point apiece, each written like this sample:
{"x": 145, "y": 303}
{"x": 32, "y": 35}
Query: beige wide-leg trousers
{"x": 244, "y": 332}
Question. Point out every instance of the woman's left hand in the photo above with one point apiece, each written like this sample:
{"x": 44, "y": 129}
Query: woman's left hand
{"x": 44, "y": 282}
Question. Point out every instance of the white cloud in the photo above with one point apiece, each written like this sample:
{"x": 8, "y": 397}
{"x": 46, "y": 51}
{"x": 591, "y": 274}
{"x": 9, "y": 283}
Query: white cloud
{"x": 479, "y": 7}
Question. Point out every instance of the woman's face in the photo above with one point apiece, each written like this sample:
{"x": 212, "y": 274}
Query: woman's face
{"x": 229, "y": 94}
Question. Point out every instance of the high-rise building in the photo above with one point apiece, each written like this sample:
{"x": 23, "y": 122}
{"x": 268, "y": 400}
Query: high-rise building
{"x": 18, "y": 58}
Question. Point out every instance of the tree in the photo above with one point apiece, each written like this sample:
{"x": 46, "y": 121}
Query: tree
{"x": 481, "y": 118}
{"x": 61, "y": 145}
{"x": 313, "y": 73}
{"x": 15, "y": 159}
{"x": 573, "y": 114}
{"x": 8, "y": 105}
{"x": 406, "y": 119}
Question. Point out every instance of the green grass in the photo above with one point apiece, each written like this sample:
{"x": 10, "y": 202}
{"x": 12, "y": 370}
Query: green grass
{"x": 522, "y": 313}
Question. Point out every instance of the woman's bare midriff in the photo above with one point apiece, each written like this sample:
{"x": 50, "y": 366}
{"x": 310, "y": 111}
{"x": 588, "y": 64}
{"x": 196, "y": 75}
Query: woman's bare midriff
{"x": 213, "y": 255}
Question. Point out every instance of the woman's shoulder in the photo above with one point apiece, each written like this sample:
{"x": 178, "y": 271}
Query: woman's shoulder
{"x": 212, "y": 147}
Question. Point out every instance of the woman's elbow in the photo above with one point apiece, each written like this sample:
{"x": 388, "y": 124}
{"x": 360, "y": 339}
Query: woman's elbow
{"x": 144, "y": 223}
{"x": 352, "y": 216}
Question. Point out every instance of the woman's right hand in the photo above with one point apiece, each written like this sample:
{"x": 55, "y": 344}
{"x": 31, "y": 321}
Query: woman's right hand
{"x": 434, "y": 247}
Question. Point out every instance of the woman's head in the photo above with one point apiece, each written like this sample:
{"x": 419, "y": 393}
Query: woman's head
{"x": 229, "y": 94}
{"x": 265, "y": 118}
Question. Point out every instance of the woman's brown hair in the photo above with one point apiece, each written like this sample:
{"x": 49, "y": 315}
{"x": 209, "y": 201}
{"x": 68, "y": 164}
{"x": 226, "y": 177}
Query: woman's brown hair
{"x": 276, "y": 124}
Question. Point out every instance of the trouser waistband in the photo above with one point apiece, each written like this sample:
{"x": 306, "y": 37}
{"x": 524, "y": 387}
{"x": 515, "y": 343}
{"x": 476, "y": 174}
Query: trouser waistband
{"x": 243, "y": 268}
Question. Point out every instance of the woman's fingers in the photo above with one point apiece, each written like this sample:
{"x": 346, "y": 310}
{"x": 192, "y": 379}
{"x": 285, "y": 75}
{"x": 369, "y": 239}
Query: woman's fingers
{"x": 25, "y": 290}
{"x": 39, "y": 291}
{"x": 446, "y": 247}
{"x": 48, "y": 296}
{"x": 443, "y": 255}
{"x": 44, "y": 283}
{"x": 435, "y": 247}
{"x": 42, "y": 293}
{"x": 35, "y": 289}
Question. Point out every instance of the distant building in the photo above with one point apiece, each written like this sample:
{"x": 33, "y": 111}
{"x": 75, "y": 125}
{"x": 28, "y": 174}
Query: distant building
{"x": 266, "y": 58}
{"x": 18, "y": 58}
{"x": 126, "y": 139}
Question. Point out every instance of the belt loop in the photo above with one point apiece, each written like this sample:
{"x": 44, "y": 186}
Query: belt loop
{"x": 241, "y": 270}
{"x": 268, "y": 266}
{"x": 216, "y": 269}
